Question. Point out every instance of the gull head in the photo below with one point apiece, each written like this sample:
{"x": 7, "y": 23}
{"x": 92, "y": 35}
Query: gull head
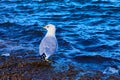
{"x": 50, "y": 27}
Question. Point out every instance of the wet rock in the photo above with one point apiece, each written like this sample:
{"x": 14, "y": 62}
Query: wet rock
{"x": 112, "y": 77}
{"x": 35, "y": 68}
{"x": 14, "y": 68}
{"x": 92, "y": 75}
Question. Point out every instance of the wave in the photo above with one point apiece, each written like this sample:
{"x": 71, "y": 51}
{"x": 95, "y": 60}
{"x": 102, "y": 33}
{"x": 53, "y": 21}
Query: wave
{"x": 8, "y": 24}
{"x": 82, "y": 1}
{"x": 96, "y": 58}
{"x": 107, "y": 0}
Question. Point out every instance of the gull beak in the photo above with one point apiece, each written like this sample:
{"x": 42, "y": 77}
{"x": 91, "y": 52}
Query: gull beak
{"x": 44, "y": 27}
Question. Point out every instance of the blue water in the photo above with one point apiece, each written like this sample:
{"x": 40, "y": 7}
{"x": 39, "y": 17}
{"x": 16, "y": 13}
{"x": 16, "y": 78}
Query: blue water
{"x": 84, "y": 28}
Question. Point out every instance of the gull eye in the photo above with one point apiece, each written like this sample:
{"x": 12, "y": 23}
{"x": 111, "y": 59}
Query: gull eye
{"x": 47, "y": 26}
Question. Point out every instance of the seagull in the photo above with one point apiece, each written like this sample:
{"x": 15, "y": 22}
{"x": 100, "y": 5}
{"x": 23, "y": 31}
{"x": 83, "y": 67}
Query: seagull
{"x": 49, "y": 44}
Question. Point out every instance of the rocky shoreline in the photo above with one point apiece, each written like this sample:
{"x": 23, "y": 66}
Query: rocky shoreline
{"x": 33, "y": 68}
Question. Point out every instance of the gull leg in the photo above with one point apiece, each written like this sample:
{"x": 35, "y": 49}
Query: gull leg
{"x": 49, "y": 61}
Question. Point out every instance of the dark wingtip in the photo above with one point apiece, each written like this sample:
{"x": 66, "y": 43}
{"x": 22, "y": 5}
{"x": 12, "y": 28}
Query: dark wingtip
{"x": 43, "y": 56}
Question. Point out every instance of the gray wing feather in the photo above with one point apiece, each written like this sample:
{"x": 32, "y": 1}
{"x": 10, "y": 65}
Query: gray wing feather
{"x": 48, "y": 45}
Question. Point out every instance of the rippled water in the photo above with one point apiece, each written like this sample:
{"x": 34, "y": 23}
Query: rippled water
{"x": 83, "y": 28}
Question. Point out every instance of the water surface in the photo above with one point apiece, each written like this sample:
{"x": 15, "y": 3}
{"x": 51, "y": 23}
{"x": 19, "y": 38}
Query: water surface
{"x": 89, "y": 29}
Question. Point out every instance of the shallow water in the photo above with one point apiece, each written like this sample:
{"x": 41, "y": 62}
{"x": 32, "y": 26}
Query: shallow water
{"x": 83, "y": 29}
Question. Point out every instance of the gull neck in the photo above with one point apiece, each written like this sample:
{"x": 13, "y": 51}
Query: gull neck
{"x": 50, "y": 33}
